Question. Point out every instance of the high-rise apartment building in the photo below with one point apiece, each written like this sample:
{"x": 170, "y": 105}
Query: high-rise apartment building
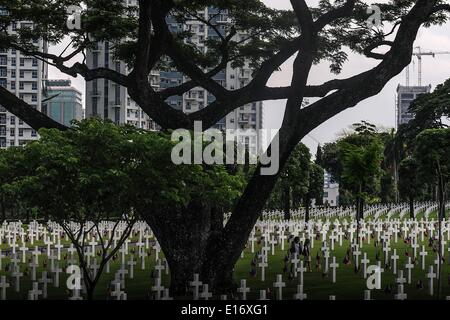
{"x": 23, "y": 76}
{"x": 109, "y": 100}
{"x": 405, "y": 96}
{"x": 63, "y": 103}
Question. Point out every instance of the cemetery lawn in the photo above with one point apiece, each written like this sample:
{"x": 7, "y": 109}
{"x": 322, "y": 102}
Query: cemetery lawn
{"x": 318, "y": 286}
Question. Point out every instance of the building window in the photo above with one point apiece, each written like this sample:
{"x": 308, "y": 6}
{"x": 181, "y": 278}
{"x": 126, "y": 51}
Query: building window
{"x": 34, "y": 74}
{"x": 12, "y": 143}
{"x": 3, "y": 60}
{"x": 13, "y": 62}
{"x": 22, "y": 74}
{"x": 3, "y": 83}
{"x": 13, "y": 120}
{"x": 95, "y": 59}
{"x": 12, "y": 132}
{"x": 20, "y": 132}
{"x": 13, "y": 74}
{"x": 33, "y": 133}
{"x": 21, "y": 85}
{"x": 34, "y": 85}
{"x": 34, "y": 97}
{"x": 13, "y": 85}
{"x": 35, "y": 62}
{"x": 22, "y": 62}
{"x": 94, "y": 106}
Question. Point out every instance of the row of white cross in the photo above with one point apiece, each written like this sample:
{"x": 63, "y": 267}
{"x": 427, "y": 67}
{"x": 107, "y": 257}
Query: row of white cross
{"x": 20, "y": 240}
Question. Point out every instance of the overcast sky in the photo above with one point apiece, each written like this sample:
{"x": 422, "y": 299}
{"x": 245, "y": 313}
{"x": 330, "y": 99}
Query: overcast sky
{"x": 379, "y": 110}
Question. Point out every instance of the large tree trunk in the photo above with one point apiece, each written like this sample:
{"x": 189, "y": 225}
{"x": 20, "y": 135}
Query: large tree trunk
{"x": 188, "y": 239}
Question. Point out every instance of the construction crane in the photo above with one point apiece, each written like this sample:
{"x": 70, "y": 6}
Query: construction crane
{"x": 419, "y": 54}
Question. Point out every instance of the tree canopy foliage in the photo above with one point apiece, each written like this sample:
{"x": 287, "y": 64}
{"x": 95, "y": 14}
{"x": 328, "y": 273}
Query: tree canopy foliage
{"x": 99, "y": 170}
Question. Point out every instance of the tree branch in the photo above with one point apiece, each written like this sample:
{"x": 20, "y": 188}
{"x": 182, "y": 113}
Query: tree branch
{"x": 35, "y": 119}
{"x": 335, "y": 14}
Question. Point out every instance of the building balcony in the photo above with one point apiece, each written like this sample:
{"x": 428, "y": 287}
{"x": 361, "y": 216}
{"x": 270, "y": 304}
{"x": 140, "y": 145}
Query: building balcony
{"x": 243, "y": 120}
{"x": 116, "y": 104}
{"x": 95, "y": 93}
{"x": 191, "y": 97}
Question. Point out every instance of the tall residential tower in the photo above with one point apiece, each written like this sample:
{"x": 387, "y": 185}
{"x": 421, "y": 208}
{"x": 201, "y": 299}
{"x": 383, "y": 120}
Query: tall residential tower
{"x": 63, "y": 103}
{"x": 108, "y": 100}
{"x": 405, "y": 96}
{"x": 23, "y": 76}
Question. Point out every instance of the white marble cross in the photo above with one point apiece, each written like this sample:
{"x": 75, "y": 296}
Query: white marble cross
{"x": 401, "y": 295}
{"x": 263, "y": 265}
{"x": 301, "y": 269}
{"x": 326, "y": 256}
{"x": 400, "y": 279}
{"x": 436, "y": 262}
{"x": 57, "y": 271}
{"x": 357, "y": 253}
{"x": 3, "y": 286}
{"x": 300, "y": 295}
{"x": 159, "y": 267}
{"x": 282, "y": 238}
{"x": 24, "y": 250}
{"x": 36, "y": 253}
{"x": 117, "y": 292}
{"x": 273, "y": 242}
{"x": 279, "y": 284}
{"x": 17, "y": 275}
{"x": 333, "y": 266}
{"x": 262, "y": 295}
{"x": 431, "y": 276}
{"x": 409, "y": 266}
{"x": 365, "y": 262}
{"x": 423, "y": 255}
{"x": 205, "y": 292}
{"x": 243, "y": 289}
{"x": 196, "y": 285}
{"x": 45, "y": 281}
{"x": 252, "y": 239}
{"x": 157, "y": 251}
{"x": 158, "y": 288}
{"x": 394, "y": 258}
{"x": 35, "y": 292}
{"x": 131, "y": 263}
{"x": 58, "y": 247}
{"x": 166, "y": 295}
